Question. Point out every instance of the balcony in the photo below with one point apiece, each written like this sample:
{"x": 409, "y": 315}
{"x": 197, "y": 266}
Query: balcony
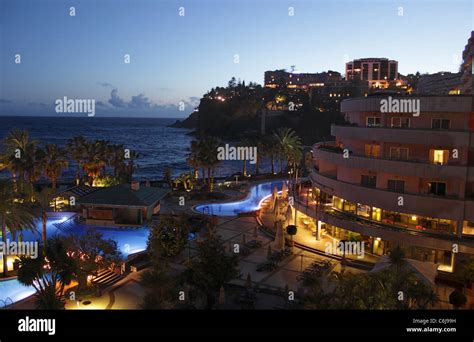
{"x": 399, "y": 167}
{"x": 423, "y": 205}
{"x": 406, "y": 136}
{"x": 391, "y": 233}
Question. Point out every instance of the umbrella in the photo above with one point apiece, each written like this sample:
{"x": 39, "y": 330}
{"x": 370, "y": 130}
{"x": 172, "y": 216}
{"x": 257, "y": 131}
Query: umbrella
{"x": 248, "y": 283}
{"x": 274, "y": 197}
{"x": 279, "y": 237}
{"x": 284, "y": 190}
{"x": 222, "y": 296}
{"x": 424, "y": 270}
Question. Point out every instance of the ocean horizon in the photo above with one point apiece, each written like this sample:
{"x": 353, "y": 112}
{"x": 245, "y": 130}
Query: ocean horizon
{"x": 158, "y": 145}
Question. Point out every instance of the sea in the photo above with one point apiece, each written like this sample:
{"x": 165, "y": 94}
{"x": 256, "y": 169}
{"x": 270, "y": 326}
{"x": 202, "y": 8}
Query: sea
{"x": 158, "y": 145}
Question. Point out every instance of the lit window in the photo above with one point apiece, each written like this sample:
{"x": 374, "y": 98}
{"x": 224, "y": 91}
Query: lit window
{"x": 439, "y": 157}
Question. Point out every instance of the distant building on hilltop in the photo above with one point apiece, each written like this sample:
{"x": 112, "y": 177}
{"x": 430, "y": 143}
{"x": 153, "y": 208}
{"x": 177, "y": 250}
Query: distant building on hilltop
{"x": 441, "y": 83}
{"x": 467, "y": 67}
{"x": 378, "y": 72}
{"x": 286, "y": 79}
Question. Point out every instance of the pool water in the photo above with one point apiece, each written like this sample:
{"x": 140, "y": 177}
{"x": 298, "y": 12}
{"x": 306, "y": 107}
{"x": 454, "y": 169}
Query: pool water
{"x": 12, "y": 291}
{"x": 129, "y": 241}
{"x": 257, "y": 194}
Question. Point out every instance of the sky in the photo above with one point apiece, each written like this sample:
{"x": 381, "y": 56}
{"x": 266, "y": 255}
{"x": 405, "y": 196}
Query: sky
{"x": 176, "y": 58}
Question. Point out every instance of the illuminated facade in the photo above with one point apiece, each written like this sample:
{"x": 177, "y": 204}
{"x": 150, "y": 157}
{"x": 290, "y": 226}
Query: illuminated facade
{"x": 379, "y": 72}
{"x": 396, "y": 178}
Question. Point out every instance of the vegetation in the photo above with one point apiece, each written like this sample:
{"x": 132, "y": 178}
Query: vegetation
{"x": 27, "y": 161}
{"x": 50, "y": 275}
{"x": 169, "y": 236}
{"x": 396, "y": 287}
{"x": 91, "y": 253}
{"x": 212, "y": 268}
{"x": 14, "y": 215}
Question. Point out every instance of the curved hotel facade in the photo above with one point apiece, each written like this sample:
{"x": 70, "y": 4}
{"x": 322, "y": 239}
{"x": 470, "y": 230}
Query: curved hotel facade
{"x": 399, "y": 178}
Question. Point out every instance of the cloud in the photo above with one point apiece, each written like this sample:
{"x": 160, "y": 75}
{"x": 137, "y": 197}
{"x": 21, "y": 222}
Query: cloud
{"x": 140, "y": 102}
{"x": 3, "y": 101}
{"x": 115, "y": 100}
{"x": 105, "y": 84}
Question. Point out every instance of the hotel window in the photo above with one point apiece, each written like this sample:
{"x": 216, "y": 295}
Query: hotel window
{"x": 372, "y": 150}
{"x": 440, "y": 123}
{"x": 437, "y": 188}
{"x": 400, "y": 153}
{"x": 439, "y": 157}
{"x": 375, "y": 71}
{"x": 373, "y": 121}
{"x": 396, "y": 185}
{"x": 400, "y": 122}
{"x": 368, "y": 181}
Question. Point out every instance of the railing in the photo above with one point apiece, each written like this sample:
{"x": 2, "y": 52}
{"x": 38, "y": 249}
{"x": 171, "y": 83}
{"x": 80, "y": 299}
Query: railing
{"x": 5, "y": 302}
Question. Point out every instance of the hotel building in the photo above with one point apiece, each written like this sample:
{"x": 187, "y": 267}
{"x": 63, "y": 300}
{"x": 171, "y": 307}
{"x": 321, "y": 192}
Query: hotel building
{"x": 294, "y": 80}
{"x": 379, "y": 72}
{"x": 391, "y": 178}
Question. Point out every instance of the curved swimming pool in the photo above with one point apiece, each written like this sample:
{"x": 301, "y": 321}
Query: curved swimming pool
{"x": 257, "y": 193}
{"x": 12, "y": 291}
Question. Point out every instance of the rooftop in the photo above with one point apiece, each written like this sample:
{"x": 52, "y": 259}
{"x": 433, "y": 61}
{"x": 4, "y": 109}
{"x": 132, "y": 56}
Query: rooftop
{"x": 124, "y": 195}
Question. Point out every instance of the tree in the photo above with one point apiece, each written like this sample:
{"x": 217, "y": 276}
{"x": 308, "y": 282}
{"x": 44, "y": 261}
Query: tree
{"x": 91, "y": 253}
{"x": 289, "y": 145}
{"x": 96, "y": 160}
{"x": 17, "y": 143}
{"x": 55, "y": 160}
{"x": 212, "y": 268}
{"x": 50, "y": 275}
{"x": 193, "y": 158}
{"x": 14, "y": 216}
{"x": 457, "y": 299}
{"x": 42, "y": 200}
{"x": 160, "y": 288}
{"x": 207, "y": 157}
{"x": 169, "y": 236}
{"x": 77, "y": 148}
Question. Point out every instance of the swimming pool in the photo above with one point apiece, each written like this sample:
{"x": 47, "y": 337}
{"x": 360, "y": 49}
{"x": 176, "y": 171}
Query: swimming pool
{"x": 251, "y": 203}
{"x": 12, "y": 291}
{"x": 129, "y": 241}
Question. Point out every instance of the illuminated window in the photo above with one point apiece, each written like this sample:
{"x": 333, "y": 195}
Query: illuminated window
{"x": 439, "y": 157}
{"x": 372, "y": 150}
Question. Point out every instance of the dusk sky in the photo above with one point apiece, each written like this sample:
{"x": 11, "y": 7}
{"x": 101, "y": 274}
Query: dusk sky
{"x": 177, "y": 58}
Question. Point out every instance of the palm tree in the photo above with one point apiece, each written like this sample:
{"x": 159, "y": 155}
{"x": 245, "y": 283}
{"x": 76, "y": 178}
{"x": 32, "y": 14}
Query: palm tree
{"x": 49, "y": 275}
{"x": 193, "y": 158}
{"x": 116, "y": 154}
{"x": 55, "y": 161}
{"x": 21, "y": 156}
{"x": 207, "y": 157}
{"x": 95, "y": 161}
{"x": 14, "y": 216}
{"x": 289, "y": 145}
{"x": 42, "y": 199}
{"x": 77, "y": 148}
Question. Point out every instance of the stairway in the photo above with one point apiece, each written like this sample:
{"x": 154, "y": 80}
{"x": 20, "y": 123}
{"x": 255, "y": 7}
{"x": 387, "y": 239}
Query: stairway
{"x": 106, "y": 278}
{"x": 68, "y": 225}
